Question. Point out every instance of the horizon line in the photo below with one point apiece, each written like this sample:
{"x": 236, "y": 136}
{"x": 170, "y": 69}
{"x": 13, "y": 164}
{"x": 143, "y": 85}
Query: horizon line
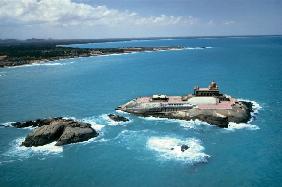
{"x": 149, "y": 37}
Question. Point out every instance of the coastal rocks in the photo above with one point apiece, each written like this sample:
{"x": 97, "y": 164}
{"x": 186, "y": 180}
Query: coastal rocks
{"x": 117, "y": 118}
{"x": 240, "y": 113}
{"x": 64, "y": 131}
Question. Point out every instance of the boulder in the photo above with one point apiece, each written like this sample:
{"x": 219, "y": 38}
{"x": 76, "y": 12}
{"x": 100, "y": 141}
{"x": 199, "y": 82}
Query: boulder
{"x": 117, "y": 118}
{"x": 184, "y": 147}
{"x": 64, "y": 131}
{"x": 73, "y": 134}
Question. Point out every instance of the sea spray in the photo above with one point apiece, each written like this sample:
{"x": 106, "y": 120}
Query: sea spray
{"x": 16, "y": 150}
{"x": 170, "y": 148}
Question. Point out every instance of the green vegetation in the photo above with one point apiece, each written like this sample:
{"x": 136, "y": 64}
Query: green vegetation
{"x": 14, "y": 55}
{"x": 17, "y": 52}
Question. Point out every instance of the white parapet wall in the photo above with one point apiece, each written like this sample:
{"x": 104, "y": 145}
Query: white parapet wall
{"x": 202, "y": 100}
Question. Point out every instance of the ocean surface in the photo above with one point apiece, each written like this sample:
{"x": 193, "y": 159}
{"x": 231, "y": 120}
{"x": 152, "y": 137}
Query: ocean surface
{"x": 137, "y": 153}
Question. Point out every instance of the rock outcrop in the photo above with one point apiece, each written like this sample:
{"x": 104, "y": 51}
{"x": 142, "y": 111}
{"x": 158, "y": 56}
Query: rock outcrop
{"x": 239, "y": 113}
{"x": 117, "y": 118}
{"x": 64, "y": 131}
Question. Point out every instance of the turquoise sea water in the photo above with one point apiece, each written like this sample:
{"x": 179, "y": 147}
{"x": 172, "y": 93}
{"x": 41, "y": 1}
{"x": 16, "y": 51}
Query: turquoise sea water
{"x": 138, "y": 153}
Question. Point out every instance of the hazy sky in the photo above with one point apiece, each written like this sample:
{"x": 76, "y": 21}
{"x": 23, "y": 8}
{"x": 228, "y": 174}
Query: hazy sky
{"x": 137, "y": 18}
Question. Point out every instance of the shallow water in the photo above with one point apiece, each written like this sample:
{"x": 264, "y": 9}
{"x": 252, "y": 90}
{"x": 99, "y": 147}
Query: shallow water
{"x": 138, "y": 153}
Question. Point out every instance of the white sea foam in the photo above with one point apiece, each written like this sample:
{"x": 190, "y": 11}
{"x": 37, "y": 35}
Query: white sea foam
{"x": 17, "y": 150}
{"x": 109, "y": 121}
{"x": 99, "y": 122}
{"x": 91, "y": 120}
{"x": 184, "y": 123}
{"x": 192, "y": 124}
{"x": 121, "y": 112}
{"x": 232, "y": 126}
{"x": 198, "y": 48}
{"x": 170, "y": 148}
{"x": 7, "y": 124}
{"x": 41, "y": 64}
{"x": 256, "y": 107}
{"x": 94, "y": 125}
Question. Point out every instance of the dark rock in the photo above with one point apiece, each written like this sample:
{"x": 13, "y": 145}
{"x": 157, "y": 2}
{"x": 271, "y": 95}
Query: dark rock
{"x": 117, "y": 118}
{"x": 64, "y": 131}
{"x": 76, "y": 134}
{"x": 35, "y": 123}
{"x": 214, "y": 120}
{"x": 184, "y": 147}
{"x": 172, "y": 148}
{"x": 24, "y": 124}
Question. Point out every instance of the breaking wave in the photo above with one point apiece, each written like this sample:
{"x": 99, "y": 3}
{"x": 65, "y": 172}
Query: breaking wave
{"x": 19, "y": 151}
{"x": 44, "y": 63}
{"x": 40, "y": 64}
{"x": 99, "y": 122}
{"x": 91, "y": 120}
{"x": 122, "y": 112}
{"x": 109, "y": 121}
{"x": 198, "y": 48}
{"x": 192, "y": 124}
{"x": 256, "y": 107}
{"x": 6, "y": 124}
{"x": 233, "y": 126}
{"x": 170, "y": 148}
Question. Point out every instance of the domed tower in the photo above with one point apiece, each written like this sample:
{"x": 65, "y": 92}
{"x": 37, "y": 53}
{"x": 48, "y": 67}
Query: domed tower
{"x": 213, "y": 86}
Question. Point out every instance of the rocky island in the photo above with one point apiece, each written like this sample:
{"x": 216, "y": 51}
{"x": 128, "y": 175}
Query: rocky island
{"x": 63, "y": 131}
{"x": 205, "y": 104}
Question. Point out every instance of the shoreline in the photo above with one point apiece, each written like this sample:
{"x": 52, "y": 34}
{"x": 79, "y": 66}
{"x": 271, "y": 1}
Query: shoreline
{"x": 80, "y": 52}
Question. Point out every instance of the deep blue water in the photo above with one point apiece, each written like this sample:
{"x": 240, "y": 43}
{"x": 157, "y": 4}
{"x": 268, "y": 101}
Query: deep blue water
{"x": 138, "y": 153}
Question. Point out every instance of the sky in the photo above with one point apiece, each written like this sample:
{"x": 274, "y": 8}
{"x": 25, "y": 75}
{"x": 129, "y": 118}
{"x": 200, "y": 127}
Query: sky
{"x": 91, "y": 19}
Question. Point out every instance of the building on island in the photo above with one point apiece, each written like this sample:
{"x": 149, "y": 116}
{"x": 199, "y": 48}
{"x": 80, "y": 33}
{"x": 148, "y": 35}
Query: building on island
{"x": 159, "y": 98}
{"x": 212, "y": 90}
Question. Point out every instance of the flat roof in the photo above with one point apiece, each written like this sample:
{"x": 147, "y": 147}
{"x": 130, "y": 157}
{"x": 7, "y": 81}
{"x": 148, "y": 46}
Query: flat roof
{"x": 222, "y": 105}
{"x": 206, "y": 89}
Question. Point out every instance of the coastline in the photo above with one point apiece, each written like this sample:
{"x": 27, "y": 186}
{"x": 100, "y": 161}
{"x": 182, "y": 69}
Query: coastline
{"x": 7, "y": 61}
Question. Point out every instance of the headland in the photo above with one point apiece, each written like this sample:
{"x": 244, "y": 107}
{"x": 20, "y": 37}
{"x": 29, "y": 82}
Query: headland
{"x": 17, "y": 53}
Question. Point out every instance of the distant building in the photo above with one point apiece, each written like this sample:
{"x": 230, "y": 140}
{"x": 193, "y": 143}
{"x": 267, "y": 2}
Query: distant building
{"x": 212, "y": 90}
{"x": 159, "y": 98}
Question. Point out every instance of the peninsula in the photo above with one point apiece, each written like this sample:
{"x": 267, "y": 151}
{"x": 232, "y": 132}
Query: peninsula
{"x": 205, "y": 104}
{"x": 16, "y": 53}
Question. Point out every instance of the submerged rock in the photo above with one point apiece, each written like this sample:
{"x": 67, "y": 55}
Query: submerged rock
{"x": 64, "y": 131}
{"x": 117, "y": 118}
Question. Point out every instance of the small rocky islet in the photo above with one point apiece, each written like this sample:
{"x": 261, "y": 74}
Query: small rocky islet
{"x": 117, "y": 118}
{"x": 63, "y": 131}
{"x": 205, "y": 104}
